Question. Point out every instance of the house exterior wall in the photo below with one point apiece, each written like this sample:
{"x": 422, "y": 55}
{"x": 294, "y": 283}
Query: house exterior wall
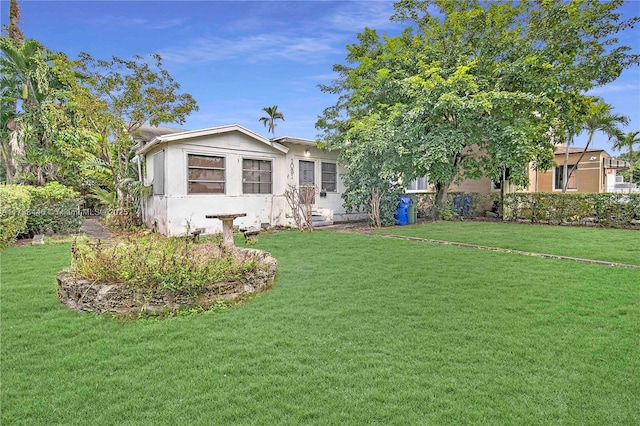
{"x": 482, "y": 185}
{"x": 590, "y": 176}
{"x": 330, "y": 205}
{"x": 176, "y": 212}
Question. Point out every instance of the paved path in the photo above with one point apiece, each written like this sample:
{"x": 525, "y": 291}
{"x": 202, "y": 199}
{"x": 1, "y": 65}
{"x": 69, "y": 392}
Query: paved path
{"x": 521, "y": 252}
{"x": 94, "y": 229}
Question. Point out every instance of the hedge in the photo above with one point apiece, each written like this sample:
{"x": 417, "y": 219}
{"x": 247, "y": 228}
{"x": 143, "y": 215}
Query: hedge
{"x": 14, "y": 206}
{"x": 54, "y": 209}
{"x": 606, "y": 209}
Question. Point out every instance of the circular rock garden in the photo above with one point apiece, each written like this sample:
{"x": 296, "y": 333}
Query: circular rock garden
{"x": 150, "y": 273}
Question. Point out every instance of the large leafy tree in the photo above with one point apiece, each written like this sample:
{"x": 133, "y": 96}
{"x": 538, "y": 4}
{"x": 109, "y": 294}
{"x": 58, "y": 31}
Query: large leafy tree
{"x": 120, "y": 97}
{"x": 36, "y": 112}
{"x": 474, "y": 89}
{"x": 269, "y": 120}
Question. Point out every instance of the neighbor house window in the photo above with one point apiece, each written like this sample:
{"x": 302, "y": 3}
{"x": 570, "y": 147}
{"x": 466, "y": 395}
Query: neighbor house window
{"x": 158, "y": 173}
{"x": 206, "y": 174}
{"x": 559, "y": 177}
{"x": 419, "y": 184}
{"x": 256, "y": 176}
{"x": 329, "y": 177}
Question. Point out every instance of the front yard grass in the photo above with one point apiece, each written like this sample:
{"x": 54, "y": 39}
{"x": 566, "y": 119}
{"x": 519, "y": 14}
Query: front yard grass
{"x": 358, "y": 329}
{"x": 612, "y": 245}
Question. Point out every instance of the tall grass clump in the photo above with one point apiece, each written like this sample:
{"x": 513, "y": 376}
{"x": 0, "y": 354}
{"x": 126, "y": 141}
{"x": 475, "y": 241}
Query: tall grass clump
{"x": 155, "y": 262}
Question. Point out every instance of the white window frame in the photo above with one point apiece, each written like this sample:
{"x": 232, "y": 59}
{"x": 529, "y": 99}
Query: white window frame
{"x": 322, "y": 182}
{"x": 414, "y": 185}
{"x": 257, "y": 182}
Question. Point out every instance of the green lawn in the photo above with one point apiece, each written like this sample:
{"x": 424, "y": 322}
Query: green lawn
{"x": 612, "y": 245}
{"x": 357, "y": 330}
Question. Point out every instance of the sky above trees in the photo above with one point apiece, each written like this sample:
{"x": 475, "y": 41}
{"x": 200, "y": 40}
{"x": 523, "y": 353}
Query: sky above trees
{"x": 236, "y": 57}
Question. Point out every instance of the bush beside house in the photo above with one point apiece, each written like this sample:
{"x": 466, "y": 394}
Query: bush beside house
{"x": 30, "y": 210}
{"x": 54, "y": 209}
{"x": 14, "y": 207}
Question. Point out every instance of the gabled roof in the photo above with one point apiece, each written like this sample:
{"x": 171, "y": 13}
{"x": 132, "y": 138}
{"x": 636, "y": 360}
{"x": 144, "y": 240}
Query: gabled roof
{"x": 146, "y": 133}
{"x": 190, "y": 134}
{"x": 561, "y": 149}
{"x": 298, "y": 141}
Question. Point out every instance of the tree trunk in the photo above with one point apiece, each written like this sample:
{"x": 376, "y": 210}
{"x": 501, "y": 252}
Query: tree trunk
{"x": 565, "y": 175}
{"x": 575, "y": 166}
{"x": 40, "y": 175}
{"x": 375, "y": 207}
{"x": 9, "y": 167}
{"x": 630, "y": 165}
{"x": 440, "y": 203}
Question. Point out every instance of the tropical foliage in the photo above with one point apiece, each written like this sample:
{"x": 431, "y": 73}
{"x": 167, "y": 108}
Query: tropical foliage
{"x": 74, "y": 121}
{"x": 54, "y": 208}
{"x": 122, "y": 95}
{"x": 600, "y": 118}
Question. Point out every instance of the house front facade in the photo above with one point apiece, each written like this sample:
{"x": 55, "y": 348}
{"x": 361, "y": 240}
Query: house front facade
{"x": 596, "y": 172}
{"x": 232, "y": 170}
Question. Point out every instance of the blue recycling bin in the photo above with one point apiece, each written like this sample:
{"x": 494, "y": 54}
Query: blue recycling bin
{"x": 402, "y": 212}
{"x": 462, "y": 204}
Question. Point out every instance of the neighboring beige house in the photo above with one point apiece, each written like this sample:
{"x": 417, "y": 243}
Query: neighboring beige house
{"x": 230, "y": 169}
{"x": 596, "y": 172}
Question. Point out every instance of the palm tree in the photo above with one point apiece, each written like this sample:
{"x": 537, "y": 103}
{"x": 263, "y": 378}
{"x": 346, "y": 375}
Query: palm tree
{"x": 600, "y": 118}
{"x": 628, "y": 141}
{"x": 270, "y": 120}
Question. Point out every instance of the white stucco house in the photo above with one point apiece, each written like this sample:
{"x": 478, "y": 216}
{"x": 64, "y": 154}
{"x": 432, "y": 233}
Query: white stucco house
{"x": 230, "y": 169}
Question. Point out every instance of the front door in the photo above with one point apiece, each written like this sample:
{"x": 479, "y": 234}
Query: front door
{"x": 307, "y": 181}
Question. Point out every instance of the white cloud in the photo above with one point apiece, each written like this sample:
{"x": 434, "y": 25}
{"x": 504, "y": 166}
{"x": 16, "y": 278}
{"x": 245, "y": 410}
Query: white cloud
{"x": 111, "y": 21}
{"x": 355, "y": 16}
{"x": 253, "y": 48}
{"x": 615, "y": 88}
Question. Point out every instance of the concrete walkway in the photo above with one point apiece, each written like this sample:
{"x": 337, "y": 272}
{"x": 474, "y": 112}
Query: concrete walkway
{"x": 94, "y": 229}
{"x": 521, "y": 252}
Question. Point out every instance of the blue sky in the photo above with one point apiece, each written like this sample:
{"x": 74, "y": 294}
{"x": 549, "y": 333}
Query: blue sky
{"x": 236, "y": 57}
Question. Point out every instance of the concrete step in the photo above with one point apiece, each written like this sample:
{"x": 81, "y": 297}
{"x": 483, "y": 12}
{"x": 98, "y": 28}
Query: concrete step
{"x": 319, "y": 220}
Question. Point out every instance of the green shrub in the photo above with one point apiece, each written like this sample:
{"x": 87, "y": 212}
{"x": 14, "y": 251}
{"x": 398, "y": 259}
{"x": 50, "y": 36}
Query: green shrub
{"x": 14, "y": 206}
{"x": 607, "y": 209}
{"x": 156, "y": 262}
{"x": 54, "y": 208}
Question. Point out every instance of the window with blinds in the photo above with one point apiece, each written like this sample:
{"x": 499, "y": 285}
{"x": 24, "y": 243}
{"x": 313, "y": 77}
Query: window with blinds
{"x": 206, "y": 174}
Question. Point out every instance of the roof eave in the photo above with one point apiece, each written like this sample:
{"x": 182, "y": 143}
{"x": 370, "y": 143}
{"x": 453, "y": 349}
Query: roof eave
{"x": 189, "y": 134}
